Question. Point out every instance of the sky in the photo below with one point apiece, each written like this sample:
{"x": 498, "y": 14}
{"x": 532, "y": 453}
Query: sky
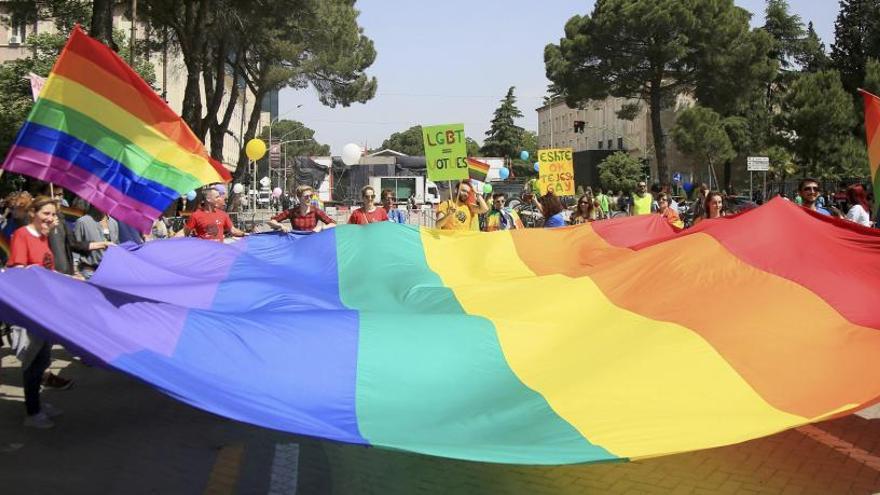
{"x": 453, "y": 61}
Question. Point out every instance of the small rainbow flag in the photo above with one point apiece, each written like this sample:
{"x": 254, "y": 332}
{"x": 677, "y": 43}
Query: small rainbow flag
{"x": 100, "y": 131}
{"x": 477, "y": 170}
{"x": 872, "y": 132}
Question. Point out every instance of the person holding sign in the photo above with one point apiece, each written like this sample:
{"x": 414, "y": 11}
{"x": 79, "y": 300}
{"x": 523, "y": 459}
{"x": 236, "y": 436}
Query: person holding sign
{"x": 368, "y": 212}
{"x": 460, "y": 212}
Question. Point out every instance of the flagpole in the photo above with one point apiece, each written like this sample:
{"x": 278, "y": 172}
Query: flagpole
{"x": 134, "y": 6}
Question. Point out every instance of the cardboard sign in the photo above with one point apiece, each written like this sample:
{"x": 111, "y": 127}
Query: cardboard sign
{"x": 556, "y": 171}
{"x": 445, "y": 152}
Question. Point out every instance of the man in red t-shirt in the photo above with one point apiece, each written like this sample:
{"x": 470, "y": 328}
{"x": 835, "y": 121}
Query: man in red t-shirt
{"x": 210, "y": 222}
{"x": 368, "y": 213}
{"x": 303, "y": 217}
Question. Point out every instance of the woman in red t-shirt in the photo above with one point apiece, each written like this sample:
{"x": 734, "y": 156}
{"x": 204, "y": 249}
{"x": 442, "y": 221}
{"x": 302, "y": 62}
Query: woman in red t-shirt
{"x": 30, "y": 247}
{"x": 368, "y": 212}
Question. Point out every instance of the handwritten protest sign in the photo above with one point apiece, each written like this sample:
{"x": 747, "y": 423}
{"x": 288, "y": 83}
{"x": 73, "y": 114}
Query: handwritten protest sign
{"x": 556, "y": 171}
{"x": 445, "y": 152}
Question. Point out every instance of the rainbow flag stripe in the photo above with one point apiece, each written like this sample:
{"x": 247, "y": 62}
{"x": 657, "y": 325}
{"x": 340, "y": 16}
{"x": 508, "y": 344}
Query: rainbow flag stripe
{"x": 872, "y": 131}
{"x": 100, "y": 131}
{"x": 477, "y": 170}
{"x": 604, "y": 342}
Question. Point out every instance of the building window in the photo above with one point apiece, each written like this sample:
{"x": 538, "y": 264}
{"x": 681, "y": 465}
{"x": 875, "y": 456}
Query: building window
{"x": 620, "y": 143}
{"x": 18, "y": 33}
{"x": 600, "y": 144}
{"x": 610, "y": 143}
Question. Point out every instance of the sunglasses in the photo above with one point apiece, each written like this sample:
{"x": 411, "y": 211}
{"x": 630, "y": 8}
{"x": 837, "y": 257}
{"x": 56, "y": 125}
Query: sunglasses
{"x": 810, "y": 188}
{"x": 369, "y": 196}
{"x": 390, "y": 199}
{"x": 584, "y": 203}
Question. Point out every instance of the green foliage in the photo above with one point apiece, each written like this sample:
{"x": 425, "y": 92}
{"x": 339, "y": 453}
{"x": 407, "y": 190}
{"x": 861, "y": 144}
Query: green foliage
{"x": 629, "y": 111}
{"x": 819, "y": 116}
{"x": 410, "y": 141}
{"x": 473, "y": 147}
{"x": 300, "y": 139}
{"x": 813, "y": 57}
{"x": 504, "y": 137}
{"x": 700, "y": 132}
{"x": 657, "y": 49}
{"x": 856, "y": 37}
{"x": 872, "y": 76}
{"x": 620, "y": 172}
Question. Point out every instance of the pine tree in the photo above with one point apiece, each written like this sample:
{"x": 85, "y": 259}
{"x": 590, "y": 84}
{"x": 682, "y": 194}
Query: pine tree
{"x": 812, "y": 56}
{"x": 504, "y": 137}
{"x": 856, "y": 37}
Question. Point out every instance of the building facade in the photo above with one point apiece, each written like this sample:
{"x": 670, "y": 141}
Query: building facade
{"x": 596, "y": 127}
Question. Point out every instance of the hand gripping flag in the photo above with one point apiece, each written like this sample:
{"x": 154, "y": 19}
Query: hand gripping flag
{"x": 100, "y": 131}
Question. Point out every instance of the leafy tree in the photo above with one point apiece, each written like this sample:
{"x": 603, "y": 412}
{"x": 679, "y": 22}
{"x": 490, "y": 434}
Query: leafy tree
{"x": 299, "y": 138}
{"x": 787, "y": 33}
{"x": 656, "y": 50}
{"x": 856, "y": 37}
{"x": 872, "y": 76}
{"x": 473, "y": 147}
{"x": 818, "y": 115}
{"x": 813, "y": 57}
{"x": 410, "y": 141}
{"x": 700, "y": 132}
{"x": 504, "y": 137}
{"x": 620, "y": 172}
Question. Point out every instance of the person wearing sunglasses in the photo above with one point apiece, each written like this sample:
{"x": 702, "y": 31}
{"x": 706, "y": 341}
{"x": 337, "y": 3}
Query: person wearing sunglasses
{"x": 304, "y": 217}
{"x": 809, "y": 191}
{"x": 368, "y": 212}
{"x": 501, "y": 217}
{"x": 389, "y": 203}
{"x": 587, "y": 210}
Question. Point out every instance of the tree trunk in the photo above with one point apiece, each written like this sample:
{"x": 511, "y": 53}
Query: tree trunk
{"x": 102, "y": 23}
{"x": 241, "y": 171}
{"x": 656, "y": 103}
{"x": 727, "y": 173}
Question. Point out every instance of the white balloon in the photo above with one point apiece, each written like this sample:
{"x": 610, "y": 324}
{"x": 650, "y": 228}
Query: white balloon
{"x": 351, "y": 154}
{"x": 265, "y": 181}
{"x": 238, "y": 189}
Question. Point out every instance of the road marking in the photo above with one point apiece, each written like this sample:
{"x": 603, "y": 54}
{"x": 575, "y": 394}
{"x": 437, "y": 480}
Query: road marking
{"x": 224, "y": 475}
{"x": 842, "y": 446}
{"x": 285, "y": 469}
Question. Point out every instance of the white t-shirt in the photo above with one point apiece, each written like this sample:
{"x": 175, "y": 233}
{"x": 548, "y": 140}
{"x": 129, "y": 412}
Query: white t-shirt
{"x": 858, "y": 215}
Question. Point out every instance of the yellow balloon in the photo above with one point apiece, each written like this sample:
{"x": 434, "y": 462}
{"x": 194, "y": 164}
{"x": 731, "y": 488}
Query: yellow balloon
{"x": 255, "y": 149}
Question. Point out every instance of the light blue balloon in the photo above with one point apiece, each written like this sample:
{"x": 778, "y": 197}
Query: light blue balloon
{"x": 537, "y": 167}
{"x": 523, "y": 155}
{"x": 504, "y": 173}
{"x": 190, "y": 195}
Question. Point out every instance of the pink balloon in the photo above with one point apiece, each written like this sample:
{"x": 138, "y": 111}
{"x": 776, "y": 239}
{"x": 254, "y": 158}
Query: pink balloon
{"x": 276, "y": 192}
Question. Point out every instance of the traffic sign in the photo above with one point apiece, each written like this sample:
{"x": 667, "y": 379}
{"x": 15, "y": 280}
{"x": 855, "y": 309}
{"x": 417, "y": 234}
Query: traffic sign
{"x": 758, "y": 163}
{"x": 676, "y": 177}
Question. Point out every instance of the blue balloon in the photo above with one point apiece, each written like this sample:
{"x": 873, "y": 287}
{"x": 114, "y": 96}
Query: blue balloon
{"x": 190, "y": 195}
{"x": 537, "y": 167}
{"x": 523, "y": 155}
{"x": 687, "y": 187}
{"x": 504, "y": 173}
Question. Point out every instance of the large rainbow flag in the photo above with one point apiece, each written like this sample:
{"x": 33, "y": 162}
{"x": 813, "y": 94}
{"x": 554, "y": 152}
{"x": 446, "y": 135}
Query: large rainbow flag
{"x": 100, "y": 131}
{"x": 610, "y": 341}
{"x": 872, "y": 131}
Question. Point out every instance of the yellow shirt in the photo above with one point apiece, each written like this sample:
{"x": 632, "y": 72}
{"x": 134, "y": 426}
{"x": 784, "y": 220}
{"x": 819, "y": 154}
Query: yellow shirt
{"x": 461, "y": 216}
{"x": 642, "y": 206}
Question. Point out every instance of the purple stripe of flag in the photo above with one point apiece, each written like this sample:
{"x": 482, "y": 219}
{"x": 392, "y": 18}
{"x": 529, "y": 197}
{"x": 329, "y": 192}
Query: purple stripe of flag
{"x": 104, "y": 196}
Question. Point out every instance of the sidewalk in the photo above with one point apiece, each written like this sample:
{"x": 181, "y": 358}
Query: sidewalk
{"x": 119, "y": 436}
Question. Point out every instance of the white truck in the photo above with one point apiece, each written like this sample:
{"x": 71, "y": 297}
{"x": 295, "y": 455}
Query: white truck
{"x": 424, "y": 191}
